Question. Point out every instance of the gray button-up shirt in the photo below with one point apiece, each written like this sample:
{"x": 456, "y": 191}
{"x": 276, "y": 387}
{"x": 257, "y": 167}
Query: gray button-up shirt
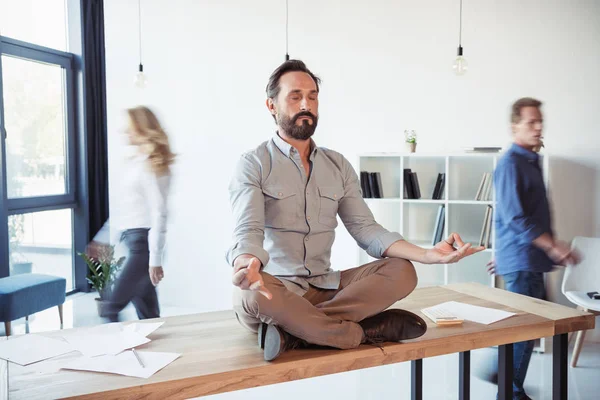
{"x": 287, "y": 218}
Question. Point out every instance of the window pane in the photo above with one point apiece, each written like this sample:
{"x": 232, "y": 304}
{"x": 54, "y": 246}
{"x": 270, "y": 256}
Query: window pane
{"x": 42, "y": 22}
{"x": 34, "y": 115}
{"x": 42, "y": 242}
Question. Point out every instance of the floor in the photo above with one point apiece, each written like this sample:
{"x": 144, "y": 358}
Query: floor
{"x": 386, "y": 382}
{"x": 79, "y": 310}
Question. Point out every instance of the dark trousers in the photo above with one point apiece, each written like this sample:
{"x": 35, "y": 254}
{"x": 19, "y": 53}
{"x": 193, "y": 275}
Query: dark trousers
{"x": 133, "y": 283}
{"x": 529, "y": 284}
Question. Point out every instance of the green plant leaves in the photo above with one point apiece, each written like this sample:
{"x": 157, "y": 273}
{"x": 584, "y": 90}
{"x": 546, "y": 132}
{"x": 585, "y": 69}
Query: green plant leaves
{"x": 102, "y": 272}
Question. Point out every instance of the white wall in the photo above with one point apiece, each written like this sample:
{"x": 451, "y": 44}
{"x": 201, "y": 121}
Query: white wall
{"x": 386, "y": 67}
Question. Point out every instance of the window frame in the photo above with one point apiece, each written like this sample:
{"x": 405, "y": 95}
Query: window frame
{"x": 35, "y": 53}
{"x": 75, "y": 197}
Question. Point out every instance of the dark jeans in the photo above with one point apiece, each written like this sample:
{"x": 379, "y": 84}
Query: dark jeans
{"x": 529, "y": 284}
{"x": 133, "y": 283}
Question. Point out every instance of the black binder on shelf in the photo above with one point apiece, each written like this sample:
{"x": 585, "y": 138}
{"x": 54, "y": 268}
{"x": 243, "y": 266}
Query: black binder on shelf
{"x": 415, "y": 184}
{"x": 408, "y": 184}
{"x": 442, "y": 187}
{"x": 374, "y": 186}
{"x": 438, "y": 191}
{"x": 364, "y": 184}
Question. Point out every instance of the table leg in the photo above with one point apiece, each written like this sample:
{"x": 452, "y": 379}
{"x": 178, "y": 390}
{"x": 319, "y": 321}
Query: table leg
{"x": 505, "y": 372}
{"x": 416, "y": 380}
{"x": 560, "y": 377}
{"x": 464, "y": 375}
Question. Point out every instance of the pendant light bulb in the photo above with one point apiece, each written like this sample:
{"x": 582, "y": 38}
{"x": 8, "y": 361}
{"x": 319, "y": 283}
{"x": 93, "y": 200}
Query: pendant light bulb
{"x": 460, "y": 65}
{"x": 140, "y": 80}
{"x": 287, "y": 24}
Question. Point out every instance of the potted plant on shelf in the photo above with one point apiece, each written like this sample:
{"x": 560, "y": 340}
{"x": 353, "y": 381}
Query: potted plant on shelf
{"x": 19, "y": 264}
{"x": 103, "y": 271}
{"x": 411, "y": 140}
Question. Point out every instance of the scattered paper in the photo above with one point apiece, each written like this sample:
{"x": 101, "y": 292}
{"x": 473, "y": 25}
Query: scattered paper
{"x": 143, "y": 328}
{"x": 125, "y": 363}
{"x": 113, "y": 328}
{"x": 28, "y": 349}
{"x": 105, "y": 344}
{"x": 482, "y": 315}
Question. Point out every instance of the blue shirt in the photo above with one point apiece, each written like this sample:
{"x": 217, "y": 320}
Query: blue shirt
{"x": 522, "y": 213}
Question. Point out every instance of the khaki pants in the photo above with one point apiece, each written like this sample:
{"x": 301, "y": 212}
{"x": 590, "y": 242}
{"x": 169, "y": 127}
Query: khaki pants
{"x": 329, "y": 317}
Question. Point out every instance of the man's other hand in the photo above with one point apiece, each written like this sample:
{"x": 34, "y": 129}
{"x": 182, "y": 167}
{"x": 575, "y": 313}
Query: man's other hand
{"x": 246, "y": 275}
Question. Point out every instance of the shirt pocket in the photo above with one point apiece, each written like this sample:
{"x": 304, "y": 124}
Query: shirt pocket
{"x": 281, "y": 206}
{"x": 329, "y": 197}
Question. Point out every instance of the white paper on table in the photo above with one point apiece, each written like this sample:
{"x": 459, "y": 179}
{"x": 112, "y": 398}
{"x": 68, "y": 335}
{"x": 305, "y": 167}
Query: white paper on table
{"x": 482, "y": 315}
{"x": 112, "y": 328}
{"x": 92, "y": 345}
{"x": 143, "y": 328}
{"x": 125, "y": 363}
{"x": 31, "y": 348}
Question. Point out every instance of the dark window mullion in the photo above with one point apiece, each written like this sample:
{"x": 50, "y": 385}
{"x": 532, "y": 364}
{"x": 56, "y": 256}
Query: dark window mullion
{"x": 31, "y": 204}
{"x": 70, "y": 134}
{"x": 4, "y": 258}
{"x": 34, "y": 52}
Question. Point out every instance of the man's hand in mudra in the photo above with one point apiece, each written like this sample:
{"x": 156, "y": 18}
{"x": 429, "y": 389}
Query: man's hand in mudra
{"x": 246, "y": 275}
{"x": 450, "y": 250}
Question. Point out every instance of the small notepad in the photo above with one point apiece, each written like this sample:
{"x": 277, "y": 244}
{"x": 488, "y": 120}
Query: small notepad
{"x": 442, "y": 316}
{"x": 463, "y": 311}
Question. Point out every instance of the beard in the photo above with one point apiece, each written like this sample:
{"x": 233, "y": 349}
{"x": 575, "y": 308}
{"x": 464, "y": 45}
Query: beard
{"x": 299, "y": 132}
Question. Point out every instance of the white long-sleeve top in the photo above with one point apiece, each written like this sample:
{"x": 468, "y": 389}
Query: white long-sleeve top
{"x": 141, "y": 202}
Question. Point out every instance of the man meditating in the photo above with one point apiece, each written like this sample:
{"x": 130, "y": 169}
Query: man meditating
{"x": 286, "y": 195}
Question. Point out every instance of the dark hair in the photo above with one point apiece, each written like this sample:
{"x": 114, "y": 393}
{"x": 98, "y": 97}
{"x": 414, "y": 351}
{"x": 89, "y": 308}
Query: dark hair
{"x": 515, "y": 115}
{"x": 288, "y": 66}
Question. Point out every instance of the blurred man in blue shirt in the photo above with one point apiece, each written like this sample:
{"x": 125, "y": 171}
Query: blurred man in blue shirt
{"x": 525, "y": 243}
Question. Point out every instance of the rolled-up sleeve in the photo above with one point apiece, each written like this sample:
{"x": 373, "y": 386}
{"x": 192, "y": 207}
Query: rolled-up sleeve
{"x": 358, "y": 218}
{"x": 509, "y": 188}
{"x": 248, "y": 206}
{"x": 158, "y": 190}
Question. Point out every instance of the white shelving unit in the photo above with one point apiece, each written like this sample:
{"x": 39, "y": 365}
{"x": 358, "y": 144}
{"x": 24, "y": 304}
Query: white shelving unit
{"x": 415, "y": 219}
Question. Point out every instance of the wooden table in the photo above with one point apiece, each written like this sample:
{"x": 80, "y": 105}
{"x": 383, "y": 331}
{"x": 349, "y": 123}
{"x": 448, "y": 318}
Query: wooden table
{"x": 219, "y": 356}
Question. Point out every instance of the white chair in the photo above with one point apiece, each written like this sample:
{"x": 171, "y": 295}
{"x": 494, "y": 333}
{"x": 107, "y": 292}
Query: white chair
{"x": 581, "y": 279}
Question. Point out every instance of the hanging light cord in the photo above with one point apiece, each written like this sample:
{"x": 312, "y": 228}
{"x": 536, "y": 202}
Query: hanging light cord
{"x": 287, "y": 54}
{"x": 140, "y": 28}
{"x": 460, "y": 27}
